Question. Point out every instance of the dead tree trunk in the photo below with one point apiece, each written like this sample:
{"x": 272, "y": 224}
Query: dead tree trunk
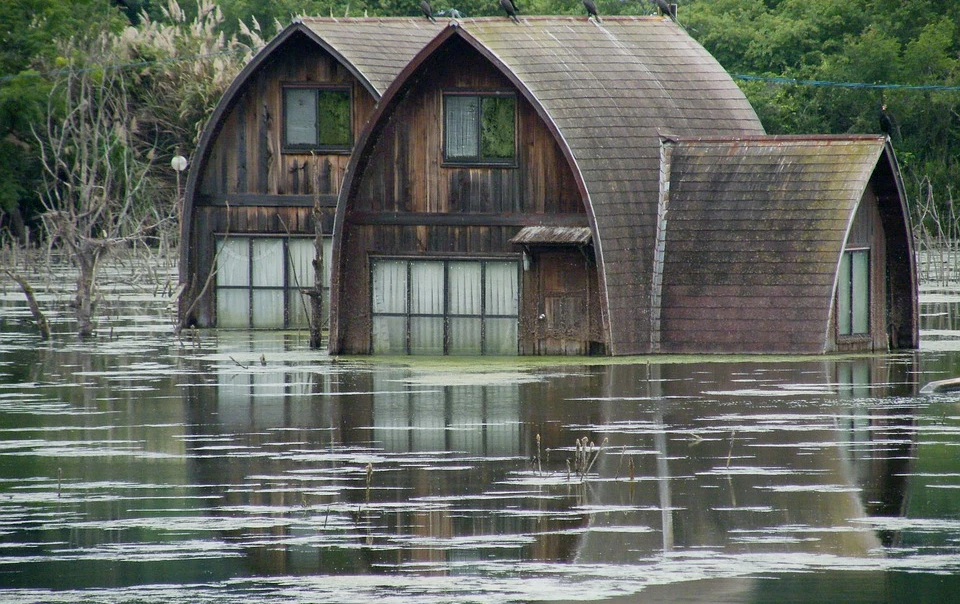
{"x": 39, "y": 318}
{"x": 95, "y": 169}
{"x": 86, "y": 300}
{"x": 316, "y": 296}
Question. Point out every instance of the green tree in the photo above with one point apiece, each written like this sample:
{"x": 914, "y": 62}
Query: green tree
{"x": 865, "y": 53}
{"x": 28, "y": 31}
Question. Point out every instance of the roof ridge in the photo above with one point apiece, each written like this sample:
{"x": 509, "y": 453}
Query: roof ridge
{"x": 781, "y": 138}
{"x": 492, "y": 19}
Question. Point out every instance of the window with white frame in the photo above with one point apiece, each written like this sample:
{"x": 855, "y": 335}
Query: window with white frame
{"x": 853, "y": 293}
{"x": 445, "y": 306}
{"x": 479, "y": 128}
{"x": 259, "y": 281}
{"x": 316, "y": 118}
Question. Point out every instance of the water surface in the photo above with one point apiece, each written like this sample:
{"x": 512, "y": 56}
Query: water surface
{"x": 237, "y": 465}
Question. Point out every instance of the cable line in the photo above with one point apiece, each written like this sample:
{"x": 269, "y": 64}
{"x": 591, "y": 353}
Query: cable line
{"x": 829, "y": 84}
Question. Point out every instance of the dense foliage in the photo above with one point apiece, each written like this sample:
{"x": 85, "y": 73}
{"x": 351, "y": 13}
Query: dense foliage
{"x": 863, "y": 54}
{"x": 175, "y": 64}
{"x": 808, "y": 66}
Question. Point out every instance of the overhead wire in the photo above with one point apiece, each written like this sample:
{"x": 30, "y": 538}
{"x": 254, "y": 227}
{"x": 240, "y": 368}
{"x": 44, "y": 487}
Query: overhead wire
{"x": 736, "y": 76}
{"x": 833, "y": 84}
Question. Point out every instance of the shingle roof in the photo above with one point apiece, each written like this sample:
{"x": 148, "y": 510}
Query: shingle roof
{"x": 608, "y": 91}
{"x": 753, "y": 232}
{"x": 377, "y": 48}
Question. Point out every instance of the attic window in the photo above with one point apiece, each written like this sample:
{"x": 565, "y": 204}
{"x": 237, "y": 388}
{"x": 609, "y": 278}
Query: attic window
{"x": 316, "y": 118}
{"x": 479, "y": 128}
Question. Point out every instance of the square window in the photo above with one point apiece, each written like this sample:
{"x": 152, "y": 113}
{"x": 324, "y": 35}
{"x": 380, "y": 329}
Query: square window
{"x": 316, "y": 118}
{"x": 480, "y": 128}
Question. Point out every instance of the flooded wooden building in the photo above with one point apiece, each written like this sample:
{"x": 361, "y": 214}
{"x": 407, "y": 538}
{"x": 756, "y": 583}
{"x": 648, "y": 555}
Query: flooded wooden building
{"x": 533, "y": 188}
{"x": 554, "y": 186}
{"x": 267, "y": 170}
{"x": 523, "y": 160}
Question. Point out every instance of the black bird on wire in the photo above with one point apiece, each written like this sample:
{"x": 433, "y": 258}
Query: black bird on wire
{"x": 591, "y": 10}
{"x": 510, "y": 8}
{"x": 665, "y": 8}
{"x": 427, "y": 10}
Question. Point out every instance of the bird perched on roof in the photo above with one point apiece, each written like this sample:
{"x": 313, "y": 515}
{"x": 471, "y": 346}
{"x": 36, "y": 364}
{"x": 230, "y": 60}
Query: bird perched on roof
{"x": 888, "y": 125}
{"x": 591, "y": 10}
{"x": 426, "y": 10}
{"x": 510, "y": 8}
{"x": 666, "y": 9}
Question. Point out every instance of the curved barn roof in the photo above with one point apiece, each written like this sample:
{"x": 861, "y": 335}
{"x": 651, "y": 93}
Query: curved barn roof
{"x": 753, "y": 232}
{"x": 607, "y": 91}
{"x": 373, "y": 50}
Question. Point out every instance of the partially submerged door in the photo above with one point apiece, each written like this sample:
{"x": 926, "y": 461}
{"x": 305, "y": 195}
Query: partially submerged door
{"x": 566, "y": 312}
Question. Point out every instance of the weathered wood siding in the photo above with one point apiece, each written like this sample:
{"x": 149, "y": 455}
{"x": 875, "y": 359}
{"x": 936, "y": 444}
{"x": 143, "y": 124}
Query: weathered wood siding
{"x": 248, "y": 184}
{"x": 867, "y": 232}
{"x": 408, "y": 202}
{"x": 247, "y": 155}
{"x": 406, "y": 172}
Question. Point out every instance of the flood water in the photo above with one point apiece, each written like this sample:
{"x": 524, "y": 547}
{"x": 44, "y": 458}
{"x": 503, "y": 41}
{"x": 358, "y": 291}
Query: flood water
{"x": 241, "y": 466}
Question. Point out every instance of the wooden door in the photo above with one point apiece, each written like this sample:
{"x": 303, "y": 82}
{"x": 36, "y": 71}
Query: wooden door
{"x": 562, "y": 325}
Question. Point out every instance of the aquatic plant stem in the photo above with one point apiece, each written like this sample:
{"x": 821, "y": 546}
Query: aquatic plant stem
{"x": 733, "y": 436}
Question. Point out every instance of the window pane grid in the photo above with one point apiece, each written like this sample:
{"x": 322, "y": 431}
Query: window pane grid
{"x": 441, "y": 306}
{"x": 317, "y": 118}
{"x": 259, "y": 282}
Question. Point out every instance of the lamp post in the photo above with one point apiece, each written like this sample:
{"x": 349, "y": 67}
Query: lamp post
{"x": 179, "y": 164}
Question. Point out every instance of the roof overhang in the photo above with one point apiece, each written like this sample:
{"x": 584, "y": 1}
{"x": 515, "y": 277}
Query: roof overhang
{"x": 553, "y": 235}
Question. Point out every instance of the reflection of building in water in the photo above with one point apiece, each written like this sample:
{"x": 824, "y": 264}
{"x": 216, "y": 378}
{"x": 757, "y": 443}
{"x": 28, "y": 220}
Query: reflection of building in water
{"x": 877, "y": 446}
{"x": 756, "y": 470}
{"x": 287, "y": 447}
{"x": 471, "y": 419}
{"x": 728, "y": 459}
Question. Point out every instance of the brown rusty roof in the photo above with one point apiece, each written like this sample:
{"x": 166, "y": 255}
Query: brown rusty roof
{"x": 552, "y": 235}
{"x": 378, "y": 48}
{"x": 753, "y": 232}
{"x": 608, "y": 91}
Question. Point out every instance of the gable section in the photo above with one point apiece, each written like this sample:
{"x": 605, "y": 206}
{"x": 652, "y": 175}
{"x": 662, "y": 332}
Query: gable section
{"x": 424, "y": 156}
{"x": 753, "y": 234}
{"x": 248, "y": 153}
